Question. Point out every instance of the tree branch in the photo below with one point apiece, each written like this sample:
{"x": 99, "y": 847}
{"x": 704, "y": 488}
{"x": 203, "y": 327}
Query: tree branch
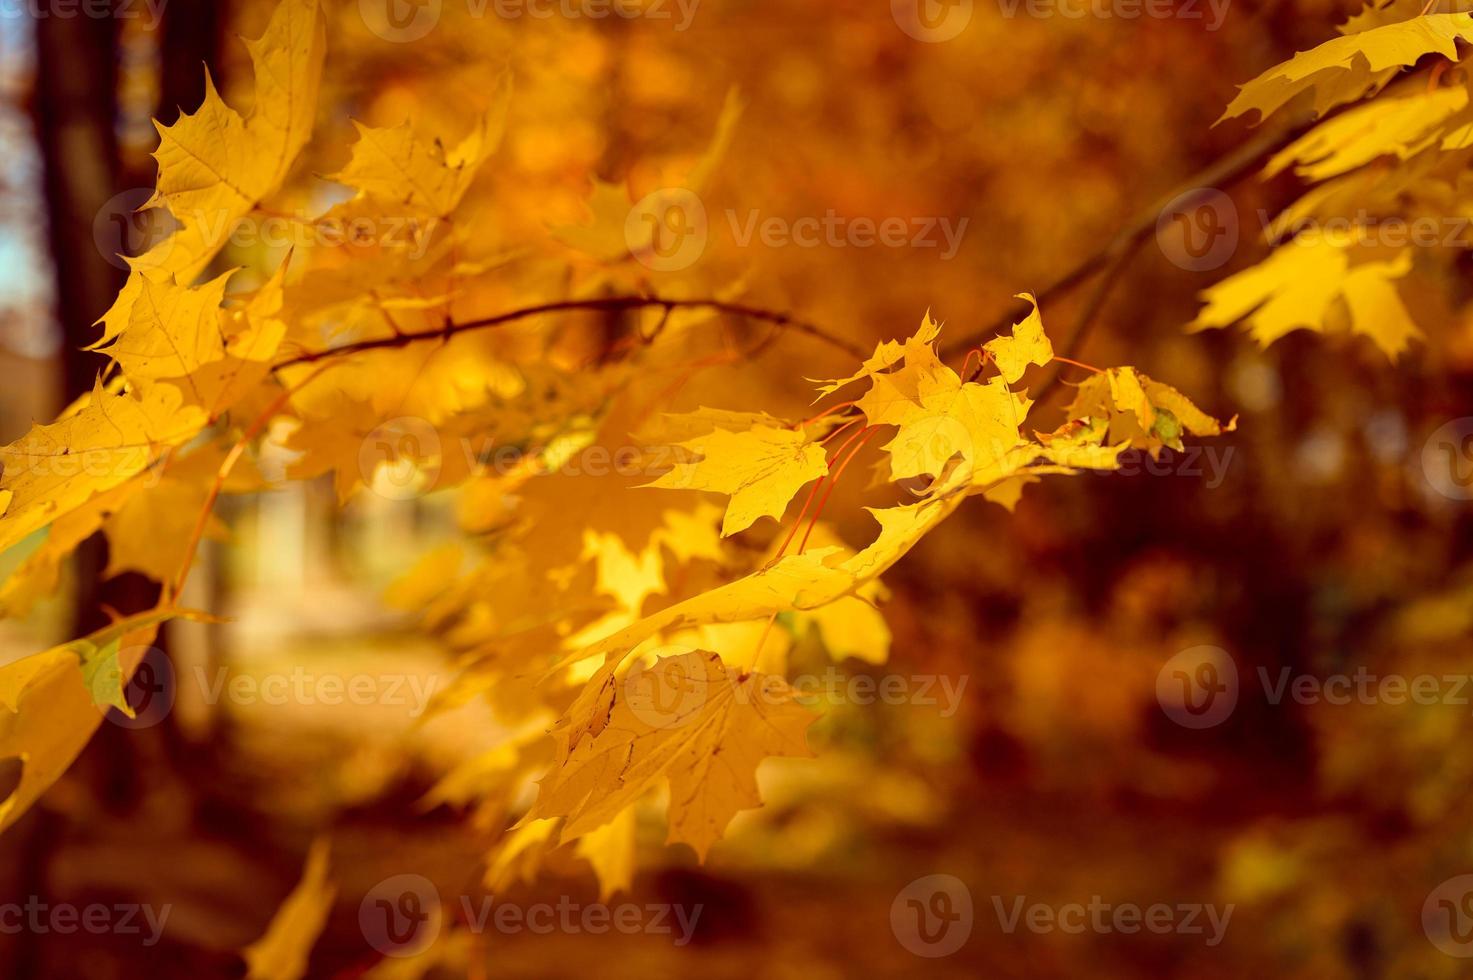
{"x": 785, "y": 321}
{"x": 1221, "y": 173}
{"x": 1087, "y": 316}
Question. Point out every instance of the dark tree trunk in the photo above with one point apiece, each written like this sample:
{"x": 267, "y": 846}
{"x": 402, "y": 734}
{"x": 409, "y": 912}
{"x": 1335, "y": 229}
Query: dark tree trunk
{"x": 191, "y": 43}
{"x": 77, "y": 70}
{"x": 76, "y": 112}
{"x": 76, "y": 62}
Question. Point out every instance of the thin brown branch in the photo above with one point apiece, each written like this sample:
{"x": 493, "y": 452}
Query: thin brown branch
{"x": 1087, "y": 317}
{"x": 174, "y": 590}
{"x": 1223, "y": 172}
{"x": 784, "y": 321}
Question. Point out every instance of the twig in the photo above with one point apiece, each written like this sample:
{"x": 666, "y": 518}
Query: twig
{"x": 1220, "y": 173}
{"x": 780, "y": 319}
{"x": 1087, "y": 317}
{"x": 175, "y": 589}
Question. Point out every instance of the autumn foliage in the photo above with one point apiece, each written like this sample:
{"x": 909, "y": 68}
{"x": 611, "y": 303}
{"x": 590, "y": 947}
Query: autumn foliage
{"x": 643, "y": 553}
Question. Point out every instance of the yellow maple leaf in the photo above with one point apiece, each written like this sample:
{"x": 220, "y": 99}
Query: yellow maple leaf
{"x": 337, "y": 440}
{"x": 977, "y": 425}
{"x": 170, "y": 331}
{"x": 804, "y": 582}
{"x": 253, "y": 337}
{"x": 1299, "y": 287}
{"x": 611, "y": 851}
{"x": 1080, "y": 444}
{"x": 1399, "y": 127}
{"x": 1027, "y": 345}
{"x": 393, "y": 170}
{"x": 918, "y": 348}
{"x": 152, "y": 531}
{"x": 46, "y": 718}
{"x": 963, "y": 431}
{"x": 1135, "y": 410}
{"x": 685, "y": 718}
{"x": 40, "y": 574}
{"x": 894, "y": 396}
{"x": 1348, "y": 68}
{"x": 215, "y": 166}
{"x": 851, "y": 627}
{"x": 48, "y": 710}
{"x": 518, "y": 856}
{"x": 283, "y": 950}
{"x": 104, "y": 440}
{"x": 759, "y": 468}
{"x": 160, "y": 330}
